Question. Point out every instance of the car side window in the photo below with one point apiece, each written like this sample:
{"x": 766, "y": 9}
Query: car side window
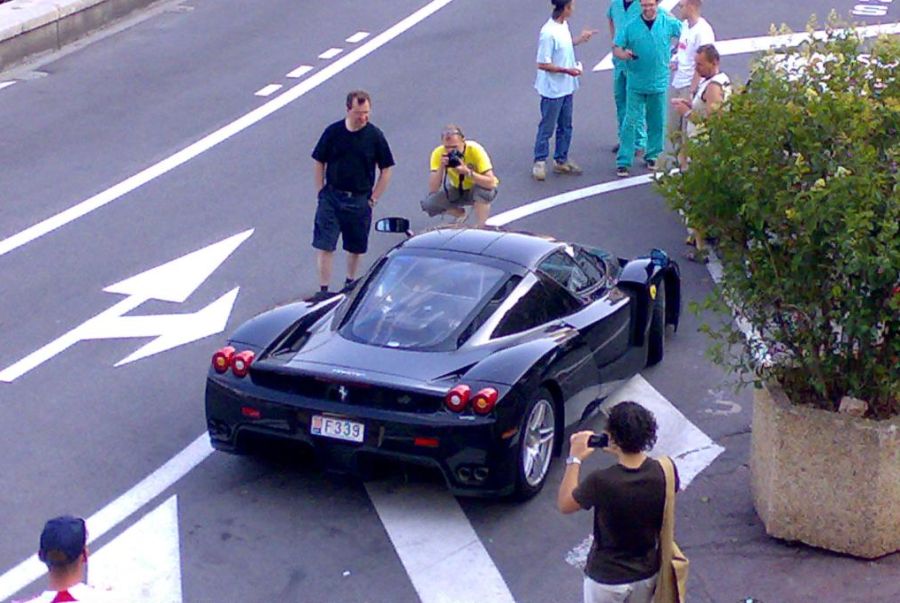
{"x": 564, "y": 269}
{"x": 591, "y": 265}
{"x": 544, "y": 302}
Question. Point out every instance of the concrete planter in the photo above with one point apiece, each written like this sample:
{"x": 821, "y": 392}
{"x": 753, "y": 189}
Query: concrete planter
{"x": 824, "y": 478}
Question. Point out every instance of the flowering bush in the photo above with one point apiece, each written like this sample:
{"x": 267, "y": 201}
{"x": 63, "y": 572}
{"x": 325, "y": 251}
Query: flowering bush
{"x": 797, "y": 178}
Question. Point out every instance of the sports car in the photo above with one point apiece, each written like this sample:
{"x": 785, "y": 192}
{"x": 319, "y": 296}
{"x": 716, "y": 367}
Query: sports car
{"x": 469, "y": 350}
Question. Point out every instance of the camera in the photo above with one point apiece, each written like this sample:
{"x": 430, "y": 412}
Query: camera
{"x": 454, "y": 158}
{"x": 598, "y": 441}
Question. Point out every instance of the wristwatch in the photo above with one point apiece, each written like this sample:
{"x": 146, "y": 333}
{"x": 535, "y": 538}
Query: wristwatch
{"x": 573, "y": 460}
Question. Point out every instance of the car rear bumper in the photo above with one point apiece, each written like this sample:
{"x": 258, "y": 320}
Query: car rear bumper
{"x": 471, "y": 453}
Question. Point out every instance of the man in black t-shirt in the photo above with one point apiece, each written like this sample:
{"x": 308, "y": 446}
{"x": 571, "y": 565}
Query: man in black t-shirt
{"x": 345, "y": 159}
{"x": 628, "y": 501}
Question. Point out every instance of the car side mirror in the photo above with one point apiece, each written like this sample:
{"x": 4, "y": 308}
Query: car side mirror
{"x": 393, "y": 224}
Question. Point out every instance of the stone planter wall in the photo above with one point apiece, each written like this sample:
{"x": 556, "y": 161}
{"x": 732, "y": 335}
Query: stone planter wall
{"x": 825, "y": 479}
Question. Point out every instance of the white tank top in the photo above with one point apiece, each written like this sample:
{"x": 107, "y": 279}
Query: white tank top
{"x": 698, "y": 104}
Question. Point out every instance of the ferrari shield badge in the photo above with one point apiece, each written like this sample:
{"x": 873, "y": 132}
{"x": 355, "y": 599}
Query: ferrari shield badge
{"x": 652, "y": 291}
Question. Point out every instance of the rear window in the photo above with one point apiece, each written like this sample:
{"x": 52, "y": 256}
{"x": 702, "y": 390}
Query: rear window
{"x": 416, "y": 302}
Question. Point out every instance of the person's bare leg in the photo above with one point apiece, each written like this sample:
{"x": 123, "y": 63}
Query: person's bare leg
{"x": 353, "y": 264}
{"x": 482, "y": 213}
{"x": 324, "y": 262}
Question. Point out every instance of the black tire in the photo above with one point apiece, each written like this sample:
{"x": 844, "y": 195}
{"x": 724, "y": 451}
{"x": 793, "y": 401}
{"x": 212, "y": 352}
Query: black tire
{"x": 656, "y": 338}
{"x": 529, "y": 484}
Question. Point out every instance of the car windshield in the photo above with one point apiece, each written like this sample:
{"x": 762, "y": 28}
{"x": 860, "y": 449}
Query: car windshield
{"x": 419, "y": 302}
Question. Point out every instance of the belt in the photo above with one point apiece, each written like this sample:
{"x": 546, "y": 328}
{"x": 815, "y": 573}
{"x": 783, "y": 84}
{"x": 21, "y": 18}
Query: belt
{"x": 347, "y": 194}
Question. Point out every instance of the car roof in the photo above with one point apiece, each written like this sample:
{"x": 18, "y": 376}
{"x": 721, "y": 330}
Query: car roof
{"x": 520, "y": 248}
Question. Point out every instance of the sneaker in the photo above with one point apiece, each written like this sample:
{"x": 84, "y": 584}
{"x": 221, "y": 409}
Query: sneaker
{"x": 566, "y": 167}
{"x": 622, "y": 172}
{"x": 650, "y": 163}
{"x": 615, "y": 149}
{"x": 539, "y": 170}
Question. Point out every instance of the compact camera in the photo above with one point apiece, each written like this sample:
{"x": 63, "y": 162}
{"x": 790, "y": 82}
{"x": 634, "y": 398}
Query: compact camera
{"x": 454, "y": 158}
{"x": 598, "y": 441}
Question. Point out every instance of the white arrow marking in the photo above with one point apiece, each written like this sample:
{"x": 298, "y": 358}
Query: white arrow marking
{"x": 761, "y": 43}
{"x": 606, "y": 64}
{"x": 174, "y": 282}
{"x": 144, "y": 562}
{"x": 432, "y": 536}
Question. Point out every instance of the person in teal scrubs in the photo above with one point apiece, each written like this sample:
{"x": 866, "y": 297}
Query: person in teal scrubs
{"x": 645, "y": 44}
{"x": 620, "y": 12}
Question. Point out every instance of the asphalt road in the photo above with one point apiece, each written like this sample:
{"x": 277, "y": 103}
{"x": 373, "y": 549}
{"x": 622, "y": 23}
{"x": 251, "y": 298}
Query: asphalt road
{"x": 76, "y": 432}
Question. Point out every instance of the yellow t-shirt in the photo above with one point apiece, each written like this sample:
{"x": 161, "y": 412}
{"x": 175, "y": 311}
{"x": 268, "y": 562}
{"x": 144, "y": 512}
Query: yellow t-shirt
{"x": 474, "y": 157}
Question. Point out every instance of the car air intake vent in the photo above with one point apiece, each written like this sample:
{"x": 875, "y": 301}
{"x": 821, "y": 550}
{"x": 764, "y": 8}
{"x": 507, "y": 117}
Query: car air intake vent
{"x": 373, "y": 396}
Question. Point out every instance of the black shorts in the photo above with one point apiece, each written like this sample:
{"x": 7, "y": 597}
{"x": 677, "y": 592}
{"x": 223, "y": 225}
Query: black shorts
{"x": 340, "y": 213}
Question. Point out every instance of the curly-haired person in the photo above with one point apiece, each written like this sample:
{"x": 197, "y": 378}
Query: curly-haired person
{"x": 628, "y": 501}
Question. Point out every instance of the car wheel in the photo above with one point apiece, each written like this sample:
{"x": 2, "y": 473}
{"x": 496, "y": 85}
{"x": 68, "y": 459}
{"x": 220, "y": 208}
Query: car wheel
{"x": 656, "y": 339}
{"x": 538, "y": 436}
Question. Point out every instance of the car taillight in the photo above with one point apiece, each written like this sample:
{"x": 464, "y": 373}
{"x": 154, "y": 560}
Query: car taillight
{"x": 240, "y": 364}
{"x": 221, "y": 360}
{"x": 458, "y": 398}
{"x": 484, "y": 401}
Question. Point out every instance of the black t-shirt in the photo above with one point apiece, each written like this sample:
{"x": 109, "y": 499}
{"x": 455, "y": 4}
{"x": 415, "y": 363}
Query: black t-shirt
{"x": 649, "y": 23}
{"x": 627, "y": 4}
{"x": 350, "y": 157}
{"x": 628, "y": 512}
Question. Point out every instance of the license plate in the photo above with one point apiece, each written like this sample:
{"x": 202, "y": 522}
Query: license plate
{"x": 339, "y": 429}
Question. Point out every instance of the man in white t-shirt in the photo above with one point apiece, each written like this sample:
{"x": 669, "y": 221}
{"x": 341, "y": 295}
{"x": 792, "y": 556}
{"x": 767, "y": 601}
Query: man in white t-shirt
{"x": 64, "y": 549}
{"x": 695, "y": 32}
{"x": 556, "y": 82}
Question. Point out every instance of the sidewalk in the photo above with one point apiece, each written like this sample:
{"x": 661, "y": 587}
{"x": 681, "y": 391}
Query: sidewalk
{"x": 32, "y": 27}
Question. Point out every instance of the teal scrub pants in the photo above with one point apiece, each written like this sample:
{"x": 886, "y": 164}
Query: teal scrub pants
{"x": 620, "y": 95}
{"x": 640, "y": 106}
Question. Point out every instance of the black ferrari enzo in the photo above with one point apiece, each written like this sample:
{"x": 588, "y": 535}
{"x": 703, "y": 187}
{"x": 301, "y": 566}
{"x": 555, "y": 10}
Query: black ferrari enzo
{"x": 469, "y": 350}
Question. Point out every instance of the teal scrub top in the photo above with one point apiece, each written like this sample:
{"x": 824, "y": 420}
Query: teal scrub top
{"x": 649, "y": 73}
{"x": 620, "y": 18}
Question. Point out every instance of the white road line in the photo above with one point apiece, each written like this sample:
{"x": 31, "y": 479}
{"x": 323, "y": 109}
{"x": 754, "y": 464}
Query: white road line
{"x": 761, "y": 43}
{"x": 606, "y": 62}
{"x": 207, "y": 142}
{"x": 117, "y": 511}
{"x": 331, "y": 53}
{"x": 437, "y": 545}
{"x": 502, "y": 219}
{"x": 357, "y": 37}
{"x": 268, "y": 90}
{"x": 7, "y": 84}
{"x": 300, "y": 71}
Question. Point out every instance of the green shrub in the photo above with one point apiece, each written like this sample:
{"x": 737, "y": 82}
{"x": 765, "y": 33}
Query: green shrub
{"x": 797, "y": 178}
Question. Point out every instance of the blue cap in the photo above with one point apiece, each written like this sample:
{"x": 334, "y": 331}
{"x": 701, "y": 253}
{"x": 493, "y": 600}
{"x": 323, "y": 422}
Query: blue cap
{"x": 62, "y": 540}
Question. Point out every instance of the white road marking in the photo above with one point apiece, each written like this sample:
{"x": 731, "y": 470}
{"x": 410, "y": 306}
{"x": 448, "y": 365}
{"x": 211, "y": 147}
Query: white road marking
{"x": 207, "y": 142}
{"x": 117, "y": 511}
{"x": 7, "y": 84}
{"x": 606, "y": 62}
{"x": 762, "y": 43}
{"x": 173, "y": 281}
{"x": 502, "y": 219}
{"x": 143, "y": 563}
{"x": 268, "y": 90}
{"x": 690, "y": 448}
{"x": 437, "y": 545}
{"x": 331, "y": 53}
{"x": 300, "y": 71}
{"x": 358, "y": 37}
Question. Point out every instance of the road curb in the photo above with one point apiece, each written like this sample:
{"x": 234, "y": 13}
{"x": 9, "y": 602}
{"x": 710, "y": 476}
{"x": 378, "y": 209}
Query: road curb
{"x": 32, "y": 27}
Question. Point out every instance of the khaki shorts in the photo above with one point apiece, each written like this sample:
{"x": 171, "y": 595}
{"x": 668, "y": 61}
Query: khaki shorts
{"x": 441, "y": 200}
{"x": 632, "y": 592}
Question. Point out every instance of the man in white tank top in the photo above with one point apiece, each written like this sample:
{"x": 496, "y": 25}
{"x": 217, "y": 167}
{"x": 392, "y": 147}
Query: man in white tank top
{"x": 695, "y": 32}
{"x": 713, "y": 89}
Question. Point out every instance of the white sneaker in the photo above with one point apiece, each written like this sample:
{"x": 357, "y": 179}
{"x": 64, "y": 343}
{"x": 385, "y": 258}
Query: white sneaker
{"x": 539, "y": 170}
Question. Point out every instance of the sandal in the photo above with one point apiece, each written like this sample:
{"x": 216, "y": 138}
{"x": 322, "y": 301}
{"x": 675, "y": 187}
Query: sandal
{"x": 696, "y": 255}
{"x": 690, "y": 240}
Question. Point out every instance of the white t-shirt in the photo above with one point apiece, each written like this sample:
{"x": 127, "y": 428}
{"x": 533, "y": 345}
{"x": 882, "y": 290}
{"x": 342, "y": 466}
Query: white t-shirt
{"x": 691, "y": 39}
{"x": 555, "y": 47}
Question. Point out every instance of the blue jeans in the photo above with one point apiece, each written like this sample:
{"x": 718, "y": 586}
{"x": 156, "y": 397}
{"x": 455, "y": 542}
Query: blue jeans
{"x": 555, "y": 113}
